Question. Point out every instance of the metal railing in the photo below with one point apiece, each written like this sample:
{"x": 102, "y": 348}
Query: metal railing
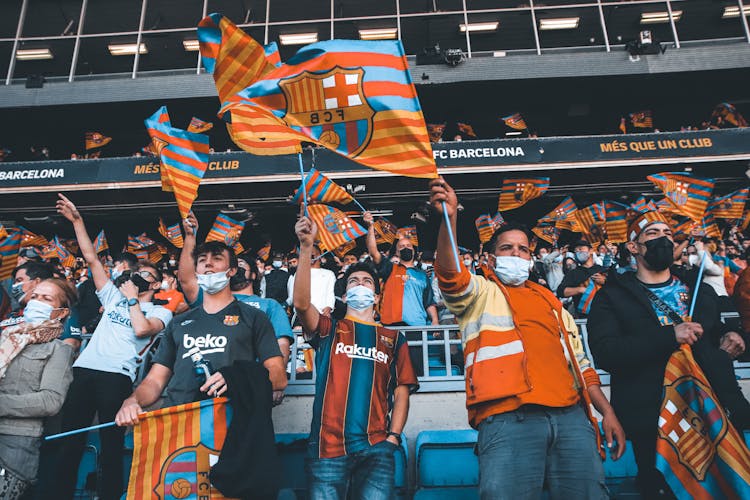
{"x": 437, "y": 355}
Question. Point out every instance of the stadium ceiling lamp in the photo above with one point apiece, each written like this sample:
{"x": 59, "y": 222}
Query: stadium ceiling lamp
{"x": 733, "y": 11}
{"x": 479, "y": 27}
{"x": 127, "y": 49}
{"x": 191, "y": 45}
{"x": 378, "y": 34}
{"x": 298, "y": 38}
{"x": 34, "y": 54}
{"x": 560, "y": 23}
{"x": 659, "y": 17}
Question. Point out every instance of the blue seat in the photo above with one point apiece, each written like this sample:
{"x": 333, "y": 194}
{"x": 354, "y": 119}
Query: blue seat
{"x": 88, "y": 469}
{"x": 447, "y": 493}
{"x": 446, "y": 458}
{"x": 292, "y": 450}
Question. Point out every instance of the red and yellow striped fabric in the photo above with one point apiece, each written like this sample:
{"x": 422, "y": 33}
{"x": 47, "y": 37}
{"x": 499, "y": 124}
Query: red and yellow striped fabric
{"x": 174, "y": 449}
{"x": 226, "y": 230}
{"x": 385, "y": 231}
{"x": 616, "y": 222}
{"x": 688, "y": 194}
{"x": 172, "y": 233}
{"x": 731, "y": 206}
{"x": 9, "y": 248}
{"x": 409, "y": 232}
{"x": 29, "y": 239}
{"x": 100, "y": 243}
{"x": 335, "y": 228}
{"x": 264, "y": 252}
{"x": 320, "y": 188}
{"x": 550, "y": 234}
{"x": 515, "y": 193}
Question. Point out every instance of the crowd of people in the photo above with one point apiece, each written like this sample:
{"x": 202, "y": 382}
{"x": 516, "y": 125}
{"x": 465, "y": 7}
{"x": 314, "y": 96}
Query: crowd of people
{"x": 74, "y": 340}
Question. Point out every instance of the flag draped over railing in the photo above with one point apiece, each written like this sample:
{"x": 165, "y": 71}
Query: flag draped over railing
{"x": 175, "y": 448}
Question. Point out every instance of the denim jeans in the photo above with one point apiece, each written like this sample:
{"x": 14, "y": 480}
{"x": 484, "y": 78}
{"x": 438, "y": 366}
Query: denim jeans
{"x": 368, "y": 474}
{"x": 523, "y": 450}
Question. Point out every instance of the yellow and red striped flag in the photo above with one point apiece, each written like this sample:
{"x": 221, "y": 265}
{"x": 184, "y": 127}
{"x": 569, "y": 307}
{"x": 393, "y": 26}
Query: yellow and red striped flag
{"x": 385, "y": 231}
{"x": 343, "y": 249}
{"x": 29, "y": 239}
{"x": 515, "y": 193}
{"x": 264, "y": 252}
{"x": 172, "y": 233}
{"x": 174, "y": 449}
{"x": 688, "y": 194}
{"x": 199, "y": 126}
{"x": 225, "y": 229}
{"x": 96, "y": 140}
{"x": 730, "y": 206}
{"x": 320, "y": 188}
{"x": 335, "y": 228}
{"x": 409, "y": 232}
{"x": 100, "y": 243}
{"x": 3, "y": 232}
{"x": 9, "y": 248}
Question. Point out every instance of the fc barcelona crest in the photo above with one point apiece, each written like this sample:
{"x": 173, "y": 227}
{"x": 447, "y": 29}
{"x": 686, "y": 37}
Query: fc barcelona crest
{"x": 333, "y": 106}
{"x": 231, "y": 320}
{"x": 520, "y": 191}
{"x": 677, "y": 191}
{"x": 690, "y": 422}
{"x": 184, "y": 475}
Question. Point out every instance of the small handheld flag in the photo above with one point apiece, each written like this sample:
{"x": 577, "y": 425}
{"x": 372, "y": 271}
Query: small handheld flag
{"x": 335, "y": 228}
{"x": 515, "y": 193}
{"x": 688, "y": 194}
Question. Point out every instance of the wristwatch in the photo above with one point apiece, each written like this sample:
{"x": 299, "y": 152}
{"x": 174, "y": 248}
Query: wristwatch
{"x": 132, "y": 302}
{"x": 397, "y": 436}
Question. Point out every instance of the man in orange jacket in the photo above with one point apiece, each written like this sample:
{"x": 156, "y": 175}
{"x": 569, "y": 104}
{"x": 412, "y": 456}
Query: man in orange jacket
{"x": 528, "y": 381}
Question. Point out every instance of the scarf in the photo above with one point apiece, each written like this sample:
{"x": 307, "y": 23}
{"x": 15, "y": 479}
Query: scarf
{"x": 14, "y": 338}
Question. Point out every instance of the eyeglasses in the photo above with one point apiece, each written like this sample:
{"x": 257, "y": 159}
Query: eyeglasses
{"x": 146, "y": 274}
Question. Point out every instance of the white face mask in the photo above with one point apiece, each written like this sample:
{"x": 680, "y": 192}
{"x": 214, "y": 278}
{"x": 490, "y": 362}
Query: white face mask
{"x": 467, "y": 262}
{"x": 172, "y": 262}
{"x": 37, "y": 311}
{"x": 276, "y": 264}
{"x": 513, "y": 271}
{"x": 16, "y": 291}
{"x": 213, "y": 283}
{"x": 116, "y": 273}
{"x": 165, "y": 285}
{"x": 693, "y": 259}
{"x": 360, "y": 297}
{"x": 426, "y": 266}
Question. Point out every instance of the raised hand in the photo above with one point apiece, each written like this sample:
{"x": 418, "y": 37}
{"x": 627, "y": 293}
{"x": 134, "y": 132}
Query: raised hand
{"x": 441, "y": 191}
{"x": 67, "y": 208}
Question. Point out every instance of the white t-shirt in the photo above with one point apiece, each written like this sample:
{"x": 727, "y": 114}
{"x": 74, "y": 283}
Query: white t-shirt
{"x": 322, "y": 282}
{"x": 114, "y": 346}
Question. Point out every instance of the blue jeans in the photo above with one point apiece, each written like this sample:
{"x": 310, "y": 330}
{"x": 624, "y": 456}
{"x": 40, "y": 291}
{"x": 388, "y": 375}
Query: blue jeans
{"x": 523, "y": 450}
{"x": 368, "y": 474}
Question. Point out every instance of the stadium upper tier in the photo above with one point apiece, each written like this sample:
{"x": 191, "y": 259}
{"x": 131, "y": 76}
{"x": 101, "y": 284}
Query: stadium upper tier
{"x": 76, "y": 39}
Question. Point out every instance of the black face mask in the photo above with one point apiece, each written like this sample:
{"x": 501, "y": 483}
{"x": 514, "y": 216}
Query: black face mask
{"x": 136, "y": 278}
{"x": 406, "y": 254}
{"x": 659, "y": 253}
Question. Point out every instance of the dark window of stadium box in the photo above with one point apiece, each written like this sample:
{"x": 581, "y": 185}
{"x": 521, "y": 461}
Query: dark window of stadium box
{"x": 166, "y": 51}
{"x": 294, "y": 10}
{"x": 240, "y": 11}
{"x": 419, "y": 34}
{"x": 58, "y": 66}
{"x": 514, "y": 32}
{"x": 94, "y": 57}
{"x": 165, "y": 14}
{"x": 9, "y": 19}
{"x": 495, "y": 4}
{"x": 588, "y": 32}
{"x": 624, "y": 23}
{"x": 427, "y": 6}
{"x": 286, "y": 51}
{"x": 112, "y": 16}
{"x": 5, "y": 50}
{"x": 51, "y": 18}
{"x": 703, "y": 20}
{"x": 361, "y": 8}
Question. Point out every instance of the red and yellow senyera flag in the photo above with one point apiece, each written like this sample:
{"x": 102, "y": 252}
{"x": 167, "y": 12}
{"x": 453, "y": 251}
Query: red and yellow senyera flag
{"x": 175, "y": 448}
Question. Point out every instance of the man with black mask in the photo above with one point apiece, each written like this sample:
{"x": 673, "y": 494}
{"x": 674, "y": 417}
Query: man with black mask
{"x": 636, "y": 322}
{"x": 583, "y": 282}
{"x": 407, "y": 297}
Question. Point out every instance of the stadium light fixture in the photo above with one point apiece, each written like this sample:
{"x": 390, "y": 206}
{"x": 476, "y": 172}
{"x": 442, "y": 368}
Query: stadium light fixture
{"x": 127, "y": 49}
{"x": 659, "y": 17}
{"x": 34, "y": 54}
{"x": 191, "y": 45}
{"x": 378, "y": 34}
{"x": 298, "y": 38}
{"x": 560, "y": 23}
{"x": 479, "y": 27}
{"x": 733, "y": 11}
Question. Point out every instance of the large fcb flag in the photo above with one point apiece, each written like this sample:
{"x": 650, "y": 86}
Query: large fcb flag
{"x": 174, "y": 449}
{"x": 698, "y": 450}
{"x": 688, "y": 194}
{"x": 335, "y": 228}
{"x": 351, "y": 96}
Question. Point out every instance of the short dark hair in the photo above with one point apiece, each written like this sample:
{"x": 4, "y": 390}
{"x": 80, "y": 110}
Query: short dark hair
{"x": 215, "y": 248}
{"x": 35, "y": 270}
{"x": 580, "y": 243}
{"x": 365, "y": 267}
{"x": 130, "y": 259}
{"x": 508, "y": 226}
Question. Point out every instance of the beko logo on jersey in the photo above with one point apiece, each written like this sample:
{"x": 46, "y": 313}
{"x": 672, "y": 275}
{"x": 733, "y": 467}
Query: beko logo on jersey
{"x": 207, "y": 341}
{"x": 355, "y": 351}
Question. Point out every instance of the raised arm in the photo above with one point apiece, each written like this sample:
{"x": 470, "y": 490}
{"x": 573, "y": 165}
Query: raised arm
{"x": 186, "y": 270}
{"x": 441, "y": 192}
{"x": 370, "y": 241}
{"x": 306, "y": 232}
{"x": 67, "y": 209}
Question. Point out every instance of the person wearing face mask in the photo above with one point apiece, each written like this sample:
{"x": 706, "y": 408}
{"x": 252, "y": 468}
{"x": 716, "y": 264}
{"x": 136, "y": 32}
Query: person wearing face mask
{"x": 582, "y": 283}
{"x": 637, "y": 321}
{"x": 105, "y": 370}
{"x": 275, "y": 279}
{"x": 364, "y": 372}
{"x": 323, "y": 285}
{"x": 170, "y": 297}
{"x": 553, "y": 266}
{"x": 35, "y": 374}
{"x": 517, "y": 328}
{"x": 407, "y": 294}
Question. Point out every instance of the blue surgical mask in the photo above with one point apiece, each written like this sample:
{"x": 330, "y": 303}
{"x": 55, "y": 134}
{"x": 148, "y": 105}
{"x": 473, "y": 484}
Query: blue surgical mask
{"x": 511, "y": 270}
{"x": 37, "y": 311}
{"x": 276, "y": 264}
{"x": 360, "y": 297}
{"x": 582, "y": 257}
{"x": 213, "y": 283}
{"x": 16, "y": 291}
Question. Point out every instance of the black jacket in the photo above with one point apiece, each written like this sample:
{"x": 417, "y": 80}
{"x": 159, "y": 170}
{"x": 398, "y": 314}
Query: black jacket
{"x": 249, "y": 466}
{"x": 627, "y": 340}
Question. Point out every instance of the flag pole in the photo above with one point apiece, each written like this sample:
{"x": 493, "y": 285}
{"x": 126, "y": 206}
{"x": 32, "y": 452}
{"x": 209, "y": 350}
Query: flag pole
{"x": 359, "y": 205}
{"x": 697, "y": 286}
{"x": 302, "y": 173}
{"x": 79, "y": 431}
{"x": 451, "y": 236}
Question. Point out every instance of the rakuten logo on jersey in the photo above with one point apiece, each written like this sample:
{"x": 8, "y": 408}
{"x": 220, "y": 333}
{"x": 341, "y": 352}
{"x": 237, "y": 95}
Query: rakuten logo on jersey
{"x": 355, "y": 351}
{"x": 207, "y": 343}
